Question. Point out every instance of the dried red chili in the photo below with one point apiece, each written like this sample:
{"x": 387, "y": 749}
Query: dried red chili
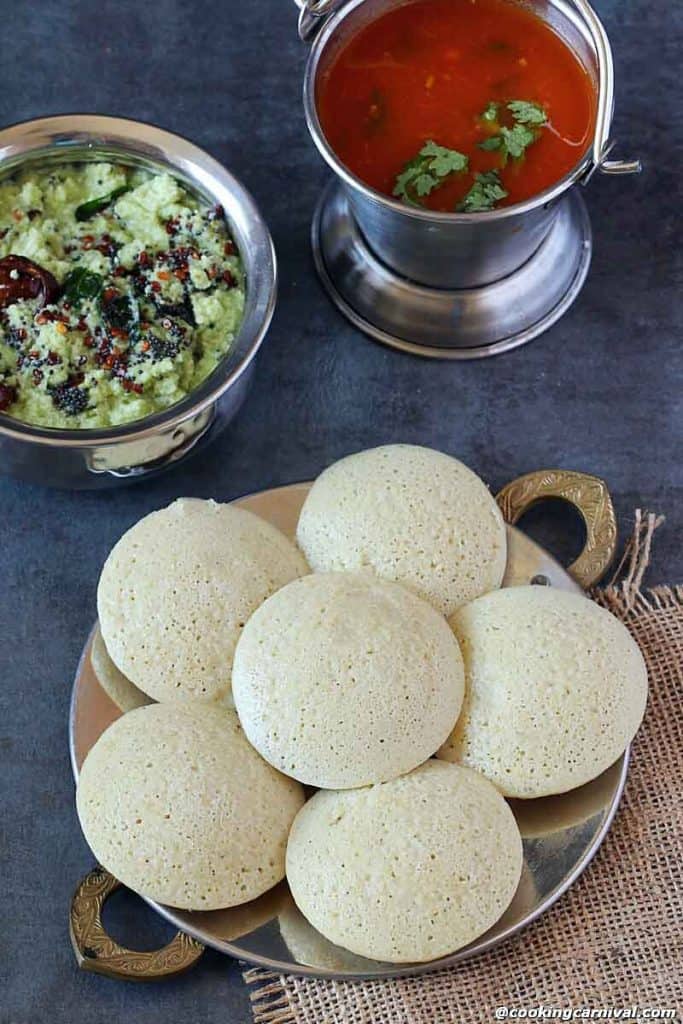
{"x": 21, "y": 278}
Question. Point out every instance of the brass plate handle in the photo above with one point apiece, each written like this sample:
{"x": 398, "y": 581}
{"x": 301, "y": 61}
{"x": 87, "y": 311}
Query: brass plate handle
{"x": 589, "y": 495}
{"x": 98, "y": 952}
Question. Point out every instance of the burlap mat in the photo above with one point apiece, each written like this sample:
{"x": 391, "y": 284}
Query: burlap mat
{"x": 615, "y": 938}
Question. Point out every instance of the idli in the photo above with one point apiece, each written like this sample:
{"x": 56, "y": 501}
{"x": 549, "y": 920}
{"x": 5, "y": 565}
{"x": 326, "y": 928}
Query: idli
{"x": 120, "y": 690}
{"x": 408, "y": 870}
{"x": 409, "y": 514}
{"x": 343, "y": 679}
{"x": 307, "y": 946}
{"x": 177, "y": 589}
{"x": 179, "y": 807}
{"x": 555, "y": 690}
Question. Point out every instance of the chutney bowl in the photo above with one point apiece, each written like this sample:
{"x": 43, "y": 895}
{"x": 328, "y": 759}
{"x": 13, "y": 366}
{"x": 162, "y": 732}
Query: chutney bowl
{"x": 107, "y": 457}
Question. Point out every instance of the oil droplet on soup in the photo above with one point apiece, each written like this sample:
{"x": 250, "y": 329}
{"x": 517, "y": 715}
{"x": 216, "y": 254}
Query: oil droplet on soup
{"x": 428, "y": 69}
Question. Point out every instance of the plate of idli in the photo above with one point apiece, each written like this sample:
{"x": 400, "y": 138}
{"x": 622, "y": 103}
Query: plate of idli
{"x": 357, "y": 728}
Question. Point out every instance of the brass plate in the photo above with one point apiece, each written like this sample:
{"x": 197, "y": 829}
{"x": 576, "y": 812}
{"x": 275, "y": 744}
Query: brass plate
{"x": 561, "y": 834}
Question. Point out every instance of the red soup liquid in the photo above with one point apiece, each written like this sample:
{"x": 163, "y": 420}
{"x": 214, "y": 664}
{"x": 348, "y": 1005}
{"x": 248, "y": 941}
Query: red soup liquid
{"x": 426, "y": 70}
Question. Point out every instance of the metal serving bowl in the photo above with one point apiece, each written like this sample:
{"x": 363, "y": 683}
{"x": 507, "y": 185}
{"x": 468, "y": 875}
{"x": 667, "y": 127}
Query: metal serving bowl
{"x": 95, "y": 458}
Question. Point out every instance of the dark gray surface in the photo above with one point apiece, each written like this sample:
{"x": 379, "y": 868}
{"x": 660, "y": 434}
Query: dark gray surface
{"x": 601, "y": 392}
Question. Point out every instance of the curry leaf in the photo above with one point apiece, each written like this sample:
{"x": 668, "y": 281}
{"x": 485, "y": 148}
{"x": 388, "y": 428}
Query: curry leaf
{"x": 120, "y": 311}
{"x": 484, "y": 194}
{"x": 87, "y": 210}
{"x": 82, "y": 284}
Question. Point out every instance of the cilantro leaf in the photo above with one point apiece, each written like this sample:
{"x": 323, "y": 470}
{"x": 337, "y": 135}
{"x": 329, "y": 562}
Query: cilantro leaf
{"x": 490, "y": 115}
{"x": 512, "y": 140}
{"x": 492, "y": 143}
{"x": 423, "y": 184}
{"x": 445, "y": 161}
{"x": 484, "y": 194}
{"x": 517, "y": 139}
{"x": 427, "y": 171}
{"x": 525, "y": 112}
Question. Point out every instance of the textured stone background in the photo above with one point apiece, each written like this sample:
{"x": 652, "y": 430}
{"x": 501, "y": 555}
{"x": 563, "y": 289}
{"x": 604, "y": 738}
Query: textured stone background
{"x": 600, "y": 392}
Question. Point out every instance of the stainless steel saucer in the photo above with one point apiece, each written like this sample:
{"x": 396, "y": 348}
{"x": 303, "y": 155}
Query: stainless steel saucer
{"x": 469, "y": 323}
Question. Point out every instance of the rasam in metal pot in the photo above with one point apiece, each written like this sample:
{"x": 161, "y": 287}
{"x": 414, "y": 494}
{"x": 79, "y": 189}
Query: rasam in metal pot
{"x": 449, "y": 250}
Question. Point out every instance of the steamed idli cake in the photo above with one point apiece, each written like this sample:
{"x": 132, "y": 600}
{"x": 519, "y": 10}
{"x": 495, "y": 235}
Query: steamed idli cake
{"x": 120, "y": 690}
{"x": 555, "y": 690}
{"x": 408, "y": 870}
{"x": 412, "y": 515}
{"x": 177, "y": 589}
{"x": 179, "y": 807}
{"x": 343, "y": 679}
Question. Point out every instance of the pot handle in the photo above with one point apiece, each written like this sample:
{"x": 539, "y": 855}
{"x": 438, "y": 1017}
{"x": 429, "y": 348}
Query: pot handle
{"x": 312, "y": 15}
{"x": 602, "y": 146}
{"x": 589, "y": 496}
{"x": 97, "y": 952}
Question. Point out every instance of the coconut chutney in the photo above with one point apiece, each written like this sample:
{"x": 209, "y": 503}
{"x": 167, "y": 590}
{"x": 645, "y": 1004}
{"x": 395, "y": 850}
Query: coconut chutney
{"x": 120, "y": 292}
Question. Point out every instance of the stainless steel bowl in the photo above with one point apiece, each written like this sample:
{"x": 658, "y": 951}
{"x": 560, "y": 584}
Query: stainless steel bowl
{"x": 105, "y": 458}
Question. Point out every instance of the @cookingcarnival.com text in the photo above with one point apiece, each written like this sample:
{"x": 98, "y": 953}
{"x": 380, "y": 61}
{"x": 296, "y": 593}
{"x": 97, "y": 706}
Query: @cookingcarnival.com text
{"x": 585, "y": 1013}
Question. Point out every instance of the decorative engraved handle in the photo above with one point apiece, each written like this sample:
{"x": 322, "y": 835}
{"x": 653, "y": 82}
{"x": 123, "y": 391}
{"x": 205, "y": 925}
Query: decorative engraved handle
{"x": 96, "y": 951}
{"x": 589, "y": 495}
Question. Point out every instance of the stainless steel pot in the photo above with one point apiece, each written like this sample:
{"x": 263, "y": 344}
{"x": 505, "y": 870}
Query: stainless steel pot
{"x": 448, "y": 250}
{"x": 104, "y": 458}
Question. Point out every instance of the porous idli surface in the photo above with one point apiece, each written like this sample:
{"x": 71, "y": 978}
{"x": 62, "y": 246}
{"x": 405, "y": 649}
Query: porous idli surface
{"x": 555, "y": 690}
{"x": 412, "y": 515}
{"x": 177, "y": 805}
{"x": 408, "y": 870}
{"x": 118, "y": 688}
{"x": 343, "y": 679}
{"x": 177, "y": 589}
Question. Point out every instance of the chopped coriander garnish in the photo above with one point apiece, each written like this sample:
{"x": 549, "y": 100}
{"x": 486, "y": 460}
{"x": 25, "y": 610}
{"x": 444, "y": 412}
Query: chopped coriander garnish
{"x": 484, "y": 194}
{"x": 525, "y": 112}
{"x": 492, "y": 143}
{"x": 516, "y": 139}
{"x": 490, "y": 115}
{"x": 513, "y": 140}
{"x": 511, "y": 128}
{"x": 427, "y": 171}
